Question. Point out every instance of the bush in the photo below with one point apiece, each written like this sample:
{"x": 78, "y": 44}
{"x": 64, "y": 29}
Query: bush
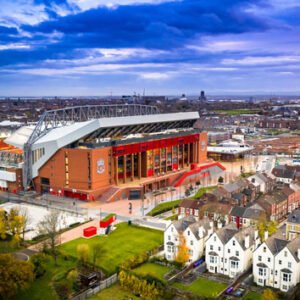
{"x": 39, "y": 262}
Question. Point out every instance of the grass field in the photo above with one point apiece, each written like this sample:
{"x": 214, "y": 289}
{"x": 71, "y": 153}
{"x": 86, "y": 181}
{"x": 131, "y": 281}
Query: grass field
{"x": 154, "y": 270}
{"x": 42, "y": 287}
{"x": 114, "y": 293}
{"x": 122, "y": 244}
{"x": 202, "y": 287}
{"x": 252, "y": 296}
{"x": 234, "y": 112}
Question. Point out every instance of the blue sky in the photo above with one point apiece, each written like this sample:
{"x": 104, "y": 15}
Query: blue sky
{"x": 99, "y": 47}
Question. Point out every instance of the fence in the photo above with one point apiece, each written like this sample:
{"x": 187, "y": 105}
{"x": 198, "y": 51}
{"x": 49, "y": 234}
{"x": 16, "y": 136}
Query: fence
{"x": 92, "y": 291}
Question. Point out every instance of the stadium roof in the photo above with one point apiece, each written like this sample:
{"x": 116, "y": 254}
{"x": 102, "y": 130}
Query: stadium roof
{"x": 57, "y": 138}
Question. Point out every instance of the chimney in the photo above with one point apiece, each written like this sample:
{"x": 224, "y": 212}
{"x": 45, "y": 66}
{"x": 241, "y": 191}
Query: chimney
{"x": 200, "y": 232}
{"x": 219, "y": 225}
{"x": 211, "y": 224}
{"x": 266, "y": 236}
{"x": 255, "y": 234}
{"x": 247, "y": 241}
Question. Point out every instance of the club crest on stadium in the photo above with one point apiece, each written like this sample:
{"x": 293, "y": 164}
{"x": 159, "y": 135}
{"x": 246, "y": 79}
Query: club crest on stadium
{"x": 100, "y": 166}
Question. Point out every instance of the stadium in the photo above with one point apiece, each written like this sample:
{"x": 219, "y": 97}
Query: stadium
{"x": 106, "y": 152}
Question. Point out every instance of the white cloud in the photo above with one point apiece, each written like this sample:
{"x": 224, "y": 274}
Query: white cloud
{"x": 155, "y": 76}
{"x": 89, "y": 4}
{"x": 261, "y": 60}
{"x": 14, "y": 46}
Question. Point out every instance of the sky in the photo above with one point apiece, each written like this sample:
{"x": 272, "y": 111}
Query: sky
{"x": 170, "y": 47}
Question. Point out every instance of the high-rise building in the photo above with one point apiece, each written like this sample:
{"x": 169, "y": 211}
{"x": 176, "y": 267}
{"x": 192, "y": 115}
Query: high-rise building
{"x": 202, "y": 96}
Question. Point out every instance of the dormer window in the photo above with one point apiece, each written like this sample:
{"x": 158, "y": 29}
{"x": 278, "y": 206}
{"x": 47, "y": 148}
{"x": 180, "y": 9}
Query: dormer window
{"x": 233, "y": 242}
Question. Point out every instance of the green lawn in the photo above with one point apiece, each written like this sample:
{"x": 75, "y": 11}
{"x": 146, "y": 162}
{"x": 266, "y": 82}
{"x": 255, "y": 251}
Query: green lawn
{"x": 252, "y": 296}
{"x": 203, "y": 190}
{"x": 122, "y": 244}
{"x": 154, "y": 270}
{"x": 202, "y": 287}
{"x": 42, "y": 287}
{"x": 163, "y": 207}
{"x": 114, "y": 293}
{"x": 237, "y": 111}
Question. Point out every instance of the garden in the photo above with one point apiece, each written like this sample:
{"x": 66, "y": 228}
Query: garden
{"x": 121, "y": 246}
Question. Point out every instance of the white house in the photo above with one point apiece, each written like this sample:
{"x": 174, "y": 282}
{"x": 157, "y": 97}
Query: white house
{"x": 195, "y": 233}
{"x": 229, "y": 250}
{"x": 276, "y": 263}
{"x": 262, "y": 182}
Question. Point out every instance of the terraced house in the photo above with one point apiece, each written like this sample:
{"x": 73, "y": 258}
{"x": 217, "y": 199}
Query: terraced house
{"x": 229, "y": 251}
{"x": 276, "y": 263}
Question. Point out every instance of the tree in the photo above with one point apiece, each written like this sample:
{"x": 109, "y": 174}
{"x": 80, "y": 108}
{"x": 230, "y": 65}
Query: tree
{"x": 26, "y": 220}
{"x": 15, "y": 224}
{"x": 83, "y": 251}
{"x": 50, "y": 227}
{"x": 39, "y": 262}
{"x": 15, "y": 275}
{"x": 183, "y": 251}
{"x": 268, "y": 294}
{"x": 3, "y": 224}
{"x": 272, "y": 227}
{"x": 97, "y": 251}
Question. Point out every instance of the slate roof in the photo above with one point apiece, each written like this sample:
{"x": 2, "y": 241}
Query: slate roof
{"x": 293, "y": 246}
{"x": 183, "y": 223}
{"x": 294, "y": 216}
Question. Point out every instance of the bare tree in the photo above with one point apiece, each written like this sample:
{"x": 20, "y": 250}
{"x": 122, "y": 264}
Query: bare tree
{"x": 49, "y": 227}
{"x": 26, "y": 220}
{"x": 97, "y": 252}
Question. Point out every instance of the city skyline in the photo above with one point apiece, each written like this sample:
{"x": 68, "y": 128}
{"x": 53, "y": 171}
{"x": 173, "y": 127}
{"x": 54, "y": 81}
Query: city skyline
{"x": 77, "y": 48}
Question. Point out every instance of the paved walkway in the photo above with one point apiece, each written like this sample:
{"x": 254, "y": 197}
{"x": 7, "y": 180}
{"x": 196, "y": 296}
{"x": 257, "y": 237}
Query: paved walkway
{"x": 69, "y": 235}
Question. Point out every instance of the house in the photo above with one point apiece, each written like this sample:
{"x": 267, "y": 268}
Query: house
{"x": 247, "y": 216}
{"x": 195, "y": 234}
{"x": 229, "y": 250}
{"x": 189, "y": 207}
{"x": 286, "y": 173}
{"x": 262, "y": 182}
{"x": 276, "y": 262}
{"x": 275, "y": 205}
{"x": 242, "y": 191}
{"x": 293, "y": 225}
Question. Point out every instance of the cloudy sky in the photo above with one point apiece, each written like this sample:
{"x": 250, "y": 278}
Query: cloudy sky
{"x": 99, "y": 47}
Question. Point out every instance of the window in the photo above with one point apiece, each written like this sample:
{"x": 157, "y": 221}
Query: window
{"x": 169, "y": 238}
{"x": 171, "y": 229}
{"x": 236, "y": 253}
{"x": 269, "y": 259}
{"x": 259, "y": 258}
{"x": 234, "y": 264}
{"x": 286, "y": 277}
{"x": 215, "y": 238}
{"x": 280, "y": 262}
{"x": 276, "y": 272}
{"x": 265, "y": 249}
{"x": 284, "y": 287}
{"x": 285, "y": 253}
{"x": 212, "y": 259}
{"x": 191, "y": 252}
{"x": 262, "y": 272}
{"x": 233, "y": 242}
{"x": 289, "y": 264}
{"x": 219, "y": 248}
{"x": 211, "y": 247}
{"x": 228, "y": 251}
{"x": 188, "y": 232}
{"x": 192, "y": 243}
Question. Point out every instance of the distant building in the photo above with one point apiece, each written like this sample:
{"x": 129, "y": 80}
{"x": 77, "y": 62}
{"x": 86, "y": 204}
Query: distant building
{"x": 202, "y": 96}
